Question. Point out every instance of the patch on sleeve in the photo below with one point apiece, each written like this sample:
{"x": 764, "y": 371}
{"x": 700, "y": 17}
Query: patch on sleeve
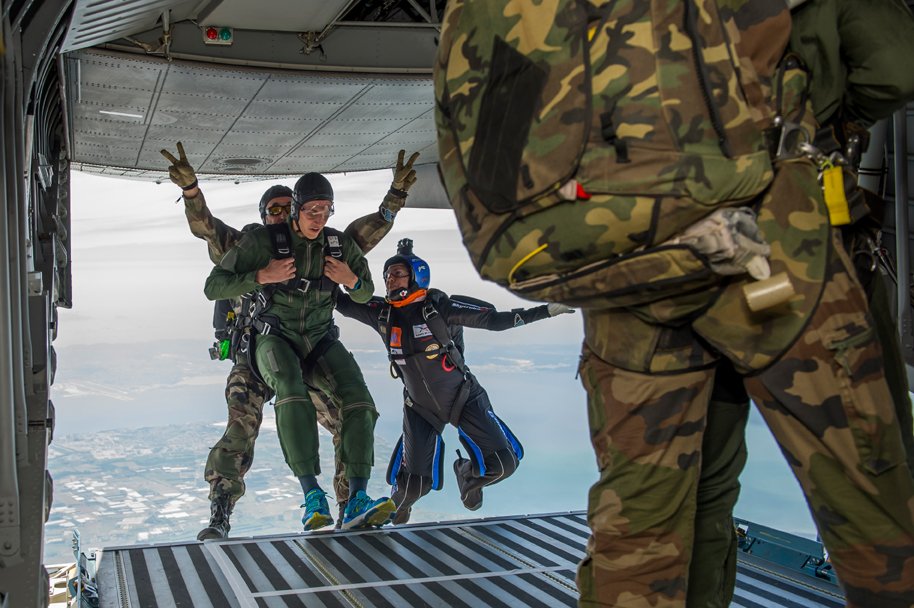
{"x": 229, "y": 259}
{"x": 271, "y": 358}
{"x": 247, "y": 241}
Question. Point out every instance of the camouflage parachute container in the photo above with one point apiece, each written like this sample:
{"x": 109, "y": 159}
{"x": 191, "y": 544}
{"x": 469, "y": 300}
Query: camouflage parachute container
{"x": 574, "y": 138}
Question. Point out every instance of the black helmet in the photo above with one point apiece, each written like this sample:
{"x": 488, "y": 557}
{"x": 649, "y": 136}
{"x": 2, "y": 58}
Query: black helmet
{"x": 310, "y": 187}
{"x": 420, "y": 275}
{"x": 271, "y": 193}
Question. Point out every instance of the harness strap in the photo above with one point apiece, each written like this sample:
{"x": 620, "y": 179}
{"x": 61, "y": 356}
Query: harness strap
{"x": 309, "y": 363}
{"x": 463, "y": 393}
{"x": 437, "y": 424}
{"x": 281, "y": 241}
{"x": 437, "y": 325}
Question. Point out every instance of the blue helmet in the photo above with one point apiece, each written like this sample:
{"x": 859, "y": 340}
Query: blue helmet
{"x": 420, "y": 275}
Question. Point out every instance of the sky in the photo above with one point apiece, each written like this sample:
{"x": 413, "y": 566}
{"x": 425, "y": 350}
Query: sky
{"x": 132, "y": 352}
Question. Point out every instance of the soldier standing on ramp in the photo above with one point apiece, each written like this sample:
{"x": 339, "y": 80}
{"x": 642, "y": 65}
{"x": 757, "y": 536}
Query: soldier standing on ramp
{"x": 853, "y": 52}
{"x": 642, "y": 161}
{"x": 232, "y": 457}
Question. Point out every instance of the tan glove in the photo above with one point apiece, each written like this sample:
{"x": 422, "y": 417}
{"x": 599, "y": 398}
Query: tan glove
{"x": 732, "y": 242}
{"x": 404, "y": 175}
{"x": 180, "y": 171}
{"x": 556, "y": 309}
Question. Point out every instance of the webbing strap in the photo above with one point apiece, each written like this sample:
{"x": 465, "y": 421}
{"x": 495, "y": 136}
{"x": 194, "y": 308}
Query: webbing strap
{"x": 437, "y": 325}
{"x": 281, "y": 241}
{"x": 463, "y": 393}
{"x": 437, "y": 424}
{"x": 309, "y": 363}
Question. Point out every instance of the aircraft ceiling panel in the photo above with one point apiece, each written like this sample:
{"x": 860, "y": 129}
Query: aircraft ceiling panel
{"x": 284, "y": 15}
{"x": 240, "y": 123}
{"x": 280, "y": 113}
{"x": 213, "y": 83}
{"x": 185, "y": 130}
{"x": 401, "y": 92}
{"x": 96, "y": 21}
{"x": 306, "y": 164}
{"x": 216, "y": 112}
{"x": 280, "y": 139}
{"x": 380, "y": 111}
{"x": 316, "y": 89}
{"x": 118, "y": 75}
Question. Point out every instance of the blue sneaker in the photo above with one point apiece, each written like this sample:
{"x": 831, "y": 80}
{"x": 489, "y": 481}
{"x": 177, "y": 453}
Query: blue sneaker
{"x": 317, "y": 511}
{"x": 362, "y": 512}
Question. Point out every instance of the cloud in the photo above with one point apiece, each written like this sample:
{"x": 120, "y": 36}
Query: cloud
{"x": 89, "y": 389}
{"x": 518, "y": 365}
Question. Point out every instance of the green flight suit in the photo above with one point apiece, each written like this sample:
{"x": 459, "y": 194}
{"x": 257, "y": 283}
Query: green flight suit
{"x": 233, "y": 455}
{"x": 304, "y": 318}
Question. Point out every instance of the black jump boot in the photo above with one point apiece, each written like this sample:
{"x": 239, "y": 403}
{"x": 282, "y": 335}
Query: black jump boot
{"x": 402, "y": 516}
{"x": 219, "y": 526}
{"x": 470, "y": 493}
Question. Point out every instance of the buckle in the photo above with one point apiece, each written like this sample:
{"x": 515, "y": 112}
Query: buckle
{"x": 307, "y": 285}
{"x": 786, "y": 139}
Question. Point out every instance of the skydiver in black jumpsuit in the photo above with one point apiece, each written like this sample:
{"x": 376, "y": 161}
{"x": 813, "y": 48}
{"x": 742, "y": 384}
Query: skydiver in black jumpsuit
{"x": 436, "y": 392}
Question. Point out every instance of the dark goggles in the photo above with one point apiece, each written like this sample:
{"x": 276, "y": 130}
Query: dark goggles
{"x": 279, "y": 209}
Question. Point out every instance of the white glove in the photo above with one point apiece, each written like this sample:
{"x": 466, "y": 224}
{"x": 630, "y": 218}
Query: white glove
{"x": 558, "y": 309}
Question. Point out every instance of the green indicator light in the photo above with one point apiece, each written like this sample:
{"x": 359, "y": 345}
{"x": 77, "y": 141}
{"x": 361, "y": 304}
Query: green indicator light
{"x": 225, "y": 33}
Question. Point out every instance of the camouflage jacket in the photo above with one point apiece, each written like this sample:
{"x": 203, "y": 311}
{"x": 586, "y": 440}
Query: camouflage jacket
{"x": 308, "y": 315}
{"x": 367, "y": 231}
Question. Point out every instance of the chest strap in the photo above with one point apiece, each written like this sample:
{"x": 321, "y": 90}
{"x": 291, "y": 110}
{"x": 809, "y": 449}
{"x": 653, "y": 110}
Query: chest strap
{"x": 281, "y": 241}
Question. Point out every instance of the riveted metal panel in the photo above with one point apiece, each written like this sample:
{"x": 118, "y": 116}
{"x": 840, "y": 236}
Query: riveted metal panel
{"x": 126, "y": 108}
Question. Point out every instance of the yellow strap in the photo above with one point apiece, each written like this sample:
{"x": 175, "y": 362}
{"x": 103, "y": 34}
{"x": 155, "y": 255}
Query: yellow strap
{"x": 523, "y": 260}
{"x": 835, "y": 199}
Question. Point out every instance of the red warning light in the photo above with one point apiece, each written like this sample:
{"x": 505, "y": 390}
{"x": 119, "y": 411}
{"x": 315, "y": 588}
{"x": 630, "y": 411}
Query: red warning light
{"x": 212, "y": 33}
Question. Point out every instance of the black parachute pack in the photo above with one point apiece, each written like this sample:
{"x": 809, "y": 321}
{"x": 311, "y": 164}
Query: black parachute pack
{"x": 450, "y": 341}
{"x": 227, "y": 341}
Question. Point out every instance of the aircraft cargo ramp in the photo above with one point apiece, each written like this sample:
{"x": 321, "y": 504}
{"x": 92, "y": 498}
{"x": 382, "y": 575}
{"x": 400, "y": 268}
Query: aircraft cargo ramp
{"x": 506, "y": 561}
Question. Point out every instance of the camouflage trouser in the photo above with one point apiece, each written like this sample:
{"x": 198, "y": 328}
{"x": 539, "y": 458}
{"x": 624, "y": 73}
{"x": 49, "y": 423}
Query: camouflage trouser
{"x": 712, "y": 574}
{"x": 231, "y": 458}
{"x": 831, "y": 412}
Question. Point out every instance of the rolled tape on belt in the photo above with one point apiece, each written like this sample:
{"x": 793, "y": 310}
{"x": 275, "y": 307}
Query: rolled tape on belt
{"x": 769, "y": 292}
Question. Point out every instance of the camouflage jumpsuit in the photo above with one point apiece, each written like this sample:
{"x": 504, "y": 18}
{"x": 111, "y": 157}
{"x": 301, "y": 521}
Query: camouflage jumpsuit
{"x": 816, "y": 374}
{"x": 850, "y": 78}
{"x": 231, "y": 458}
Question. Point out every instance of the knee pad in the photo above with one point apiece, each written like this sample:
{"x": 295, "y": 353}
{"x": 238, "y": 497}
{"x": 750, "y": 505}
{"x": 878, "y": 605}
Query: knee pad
{"x": 397, "y": 459}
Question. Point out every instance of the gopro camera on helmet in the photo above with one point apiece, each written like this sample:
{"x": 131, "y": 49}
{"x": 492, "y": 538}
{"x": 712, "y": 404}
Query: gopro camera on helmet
{"x": 420, "y": 275}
